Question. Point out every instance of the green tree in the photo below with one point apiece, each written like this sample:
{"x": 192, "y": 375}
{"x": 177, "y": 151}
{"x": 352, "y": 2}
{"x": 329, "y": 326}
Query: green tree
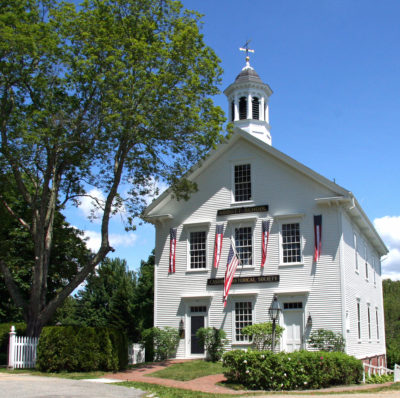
{"x": 391, "y": 299}
{"x": 115, "y": 93}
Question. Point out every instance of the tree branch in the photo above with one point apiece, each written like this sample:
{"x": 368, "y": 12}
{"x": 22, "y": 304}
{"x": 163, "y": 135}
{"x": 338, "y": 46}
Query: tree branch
{"x": 10, "y": 211}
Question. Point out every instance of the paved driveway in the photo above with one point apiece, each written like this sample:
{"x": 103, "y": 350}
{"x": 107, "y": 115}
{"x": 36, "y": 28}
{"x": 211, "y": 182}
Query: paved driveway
{"x": 25, "y": 386}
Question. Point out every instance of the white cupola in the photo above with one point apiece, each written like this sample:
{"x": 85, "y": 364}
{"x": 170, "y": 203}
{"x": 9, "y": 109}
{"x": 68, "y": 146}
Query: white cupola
{"x": 248, "y": 99}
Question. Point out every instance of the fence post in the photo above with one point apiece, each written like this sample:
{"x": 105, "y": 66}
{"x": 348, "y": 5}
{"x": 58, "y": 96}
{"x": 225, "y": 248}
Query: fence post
{"x": 11, "y": 348}
{"x": 363, "y": 380}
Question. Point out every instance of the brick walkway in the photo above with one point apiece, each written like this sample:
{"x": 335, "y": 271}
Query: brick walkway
{"x": 208, "y": 383}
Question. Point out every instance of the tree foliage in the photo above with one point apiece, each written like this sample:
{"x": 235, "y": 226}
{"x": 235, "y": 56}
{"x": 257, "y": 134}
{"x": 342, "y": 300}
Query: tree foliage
{"x": 116, "y": 92}
{"x": 391, "y": 298}
{"x": 261, "y": 335}
{"x": 326, "y": 340}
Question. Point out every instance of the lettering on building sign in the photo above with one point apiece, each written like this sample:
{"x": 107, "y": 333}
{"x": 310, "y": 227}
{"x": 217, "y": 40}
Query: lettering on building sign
{"x": 245, "y": 279}
{"x": 242, "y": 210}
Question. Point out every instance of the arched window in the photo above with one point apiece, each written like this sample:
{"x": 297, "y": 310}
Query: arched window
{"x": 256, "y": 108}
{"x": 242, "y": 108}
{"x": 233, "y": 111}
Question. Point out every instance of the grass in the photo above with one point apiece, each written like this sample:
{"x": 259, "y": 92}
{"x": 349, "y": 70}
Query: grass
{"x": 190, "y": 370}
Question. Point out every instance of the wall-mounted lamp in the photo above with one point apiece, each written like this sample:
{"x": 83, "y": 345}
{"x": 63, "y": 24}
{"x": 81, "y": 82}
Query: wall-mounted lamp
{"x": 309, "y": 320}
{"x": 181, "y": 329}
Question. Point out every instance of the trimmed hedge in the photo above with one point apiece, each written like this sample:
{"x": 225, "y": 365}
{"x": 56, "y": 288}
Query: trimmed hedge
{"x": 76, "y": 349}
{"x": 5, "y": 328}
{"x": 264, "y": 370}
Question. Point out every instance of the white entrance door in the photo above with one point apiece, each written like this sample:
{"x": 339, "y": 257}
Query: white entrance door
{"x": 293, "y": 324}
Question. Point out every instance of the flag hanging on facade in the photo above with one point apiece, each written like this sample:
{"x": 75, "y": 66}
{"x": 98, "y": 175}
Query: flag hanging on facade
{"x": 219, "y": 234}
{"x": 264, "y": 243}
{"x": 172, "y": 249}
{"x": 317, "y": 236}
{"x": 233, "y": 262}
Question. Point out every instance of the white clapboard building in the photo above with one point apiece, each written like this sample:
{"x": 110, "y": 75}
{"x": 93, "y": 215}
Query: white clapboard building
{"x": 336, "y": 285}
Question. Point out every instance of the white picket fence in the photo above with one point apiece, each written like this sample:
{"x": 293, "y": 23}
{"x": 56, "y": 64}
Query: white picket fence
{"x": 21, "y": 351}
{"x": 381, "y": 370}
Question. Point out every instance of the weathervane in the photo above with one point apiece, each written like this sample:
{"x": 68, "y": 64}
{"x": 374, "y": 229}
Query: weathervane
{"x": 247, "y": 50}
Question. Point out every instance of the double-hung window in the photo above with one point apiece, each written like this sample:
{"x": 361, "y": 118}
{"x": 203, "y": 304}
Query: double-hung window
{"x": 291, "y": 243}
{"x": 197, "y": 249}
{"x": 359, "y": 319}
{"x": 244, "y": 245}
{"x": 243, "y": 317}
{"x": 242, "y": 182}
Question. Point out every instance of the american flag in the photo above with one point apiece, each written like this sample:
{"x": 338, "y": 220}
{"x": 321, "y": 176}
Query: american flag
{"x": 233, "y": 262}
{"x": 317, "y": 236}
{"x": 264, "y": 243}
{"x": 219, "y": 234}
{"x": 172, "y": 249}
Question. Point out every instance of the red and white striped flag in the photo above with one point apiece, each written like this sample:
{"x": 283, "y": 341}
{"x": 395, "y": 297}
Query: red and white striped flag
{"x": 264, "y": 243}
{"x": 233, "y": 262}
{"x": 317, "y": 236}
{"x": 172, "y": 249}
{"x": 219, "y": 234}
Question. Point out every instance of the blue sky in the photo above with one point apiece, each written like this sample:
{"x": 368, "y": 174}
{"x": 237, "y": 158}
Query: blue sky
{"x": 334, "y": 67}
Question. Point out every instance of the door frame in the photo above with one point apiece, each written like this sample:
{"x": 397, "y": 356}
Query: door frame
{"x": 188, "y": 323}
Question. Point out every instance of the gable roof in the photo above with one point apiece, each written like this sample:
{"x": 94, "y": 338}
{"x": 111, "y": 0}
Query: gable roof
{"x": 341, "y": 195}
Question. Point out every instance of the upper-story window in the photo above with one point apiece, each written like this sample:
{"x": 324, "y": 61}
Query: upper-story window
{"x": 366, "y": 262}
{"x": 355, "y": 251}
{"x": 359, "y": 319}
{"x": 244, "y": 245}
{"x": 291, "y": 243}
{"x": 197, "y": 249}
{"x": 242, "y": 182}
{"x": 242, "y": 108}
{"x": 256, "y": 108}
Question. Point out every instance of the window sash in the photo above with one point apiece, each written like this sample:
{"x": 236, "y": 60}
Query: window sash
{"x": 244, "y": 245}
{"x": 291, "y": 243}
{"x": 242, "y": 182}
{"x": 197, "y": 249}
{"x": 243, "y": 317}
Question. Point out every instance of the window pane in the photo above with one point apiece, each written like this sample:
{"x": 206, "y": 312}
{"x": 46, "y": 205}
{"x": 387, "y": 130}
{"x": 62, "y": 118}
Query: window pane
{"x": 198, "y": 249}
{"x": 244, "y": 245}
{"x": 243, "y": 317}
{"x": 242, "y": 183}
{"x": 291, "y": 243}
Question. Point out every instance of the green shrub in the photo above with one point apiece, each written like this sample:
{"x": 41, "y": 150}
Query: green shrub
{"x": 213, "y": 340}
{"x": 261, "y": 335}
{"x": 265, "y": 370}
{"x": 393, "y": 353}
{"x": 378, "y": 379}
{"x": 326, "y": 340}
{"x": 5, "y": 328}
{"x": 163, "y": 341}
{"x": 75, "y": 349}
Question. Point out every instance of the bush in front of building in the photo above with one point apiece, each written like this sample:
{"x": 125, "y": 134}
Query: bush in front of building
{"x": 81, "y": 349}
{"x": 260, "y": 335}
{"x": 265, "y": 370}
{"x": 379, "y": 379}
{"x": 213, "y": 340}
{"x": 5, "y": 329}
{"x": 326, "y": 340}
{"x": 163, "y": 343}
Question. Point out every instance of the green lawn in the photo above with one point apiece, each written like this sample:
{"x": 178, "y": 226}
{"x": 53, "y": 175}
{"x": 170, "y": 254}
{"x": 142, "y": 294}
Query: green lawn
{"x": 189, "y": 370}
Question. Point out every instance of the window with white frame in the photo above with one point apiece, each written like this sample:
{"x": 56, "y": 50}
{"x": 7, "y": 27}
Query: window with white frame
{"x": 377, "y": 323}
{"x": 291, "y": 243}
{"x": 359, "y": 319}
{"x": 355, "y": 251}
{"x": 373, "y": 269}
{"x": 242, "y": 182}
{"x": 369, "y": 321}
{"x": 366, "y": 262}
{"x": 244, "y": 245}
{"x": 197, "y": 249}
{"x": 243, "y": 317}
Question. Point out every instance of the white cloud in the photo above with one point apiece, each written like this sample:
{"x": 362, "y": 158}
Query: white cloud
{"x": 388, "y": 228}
{"x": 88, "y": 205}
{"x": 116, "y": 240}
{"x": 157, "y": 188}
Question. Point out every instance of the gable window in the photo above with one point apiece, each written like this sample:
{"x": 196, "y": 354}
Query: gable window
{"x": 242, "y": 182}
{"x": 291, "y": 243}
{"x": 243, "y": 317}
{"x": 242, "y": 108}
{"x": 244, "y": 245}
{"x": 256, "y": 108}
{"x": 197, "y": 249}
